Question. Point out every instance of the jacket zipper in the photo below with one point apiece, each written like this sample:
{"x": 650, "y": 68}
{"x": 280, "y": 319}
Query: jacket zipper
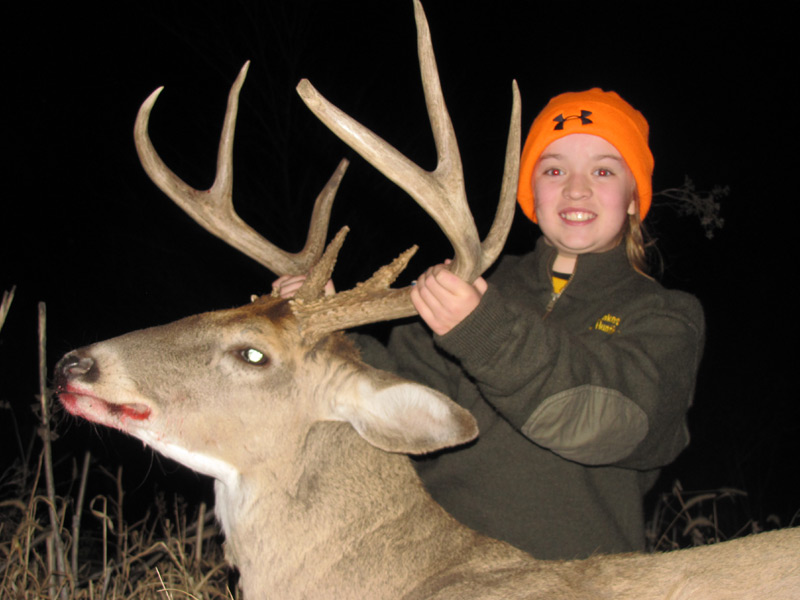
{"x": 549, "y": 308}
{"x": 554, "y": 296}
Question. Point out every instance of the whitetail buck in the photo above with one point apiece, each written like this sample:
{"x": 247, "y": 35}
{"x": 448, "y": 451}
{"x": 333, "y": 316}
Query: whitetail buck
{"x": 306, "y": 443}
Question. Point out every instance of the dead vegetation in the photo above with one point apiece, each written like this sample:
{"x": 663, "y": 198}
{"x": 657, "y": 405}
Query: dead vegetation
{"x": 161, "y": 556}
{"x": 684, "y": 519}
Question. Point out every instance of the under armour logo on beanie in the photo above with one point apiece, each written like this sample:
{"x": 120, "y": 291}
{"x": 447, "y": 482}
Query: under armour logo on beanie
{"x": 560, "y": 119}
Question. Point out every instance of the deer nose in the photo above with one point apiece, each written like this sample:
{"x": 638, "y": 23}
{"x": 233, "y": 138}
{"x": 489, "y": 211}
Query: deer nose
{"x": 72, "y": 366}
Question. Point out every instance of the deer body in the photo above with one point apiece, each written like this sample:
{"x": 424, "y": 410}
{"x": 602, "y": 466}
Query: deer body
{"x": 311, "y": 508}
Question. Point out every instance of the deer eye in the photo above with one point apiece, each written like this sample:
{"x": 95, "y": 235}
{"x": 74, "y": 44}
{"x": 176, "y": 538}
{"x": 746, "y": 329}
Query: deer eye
{"x": 253, "y": 356}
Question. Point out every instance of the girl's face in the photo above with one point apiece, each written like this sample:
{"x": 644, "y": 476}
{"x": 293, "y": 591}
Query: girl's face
{"x": 584, "y": 194}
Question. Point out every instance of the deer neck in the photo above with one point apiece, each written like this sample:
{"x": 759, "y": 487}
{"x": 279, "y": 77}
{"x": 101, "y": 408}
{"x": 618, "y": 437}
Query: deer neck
{"x": 286, "y": 534}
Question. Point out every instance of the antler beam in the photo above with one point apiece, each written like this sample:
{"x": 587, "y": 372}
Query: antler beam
{"x": 440, "y": 192}
{"x": 213, "y": 208}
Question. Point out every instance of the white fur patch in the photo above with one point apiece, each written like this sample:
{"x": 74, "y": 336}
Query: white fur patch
{"x": 213, "y": 467}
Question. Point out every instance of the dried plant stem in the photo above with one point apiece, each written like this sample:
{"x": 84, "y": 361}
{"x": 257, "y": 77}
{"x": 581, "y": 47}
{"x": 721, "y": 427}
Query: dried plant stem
{"x": 120, "y": 518}
{"x": 52, "y": 582}
{"x": 56, "y": 544}
{"x": 29, "y": 530}
{"x": 5, "y": 305}
{"x": 198, "y": 547}
{"x": 76, "y": 518}
{"x": 106, "y": 524}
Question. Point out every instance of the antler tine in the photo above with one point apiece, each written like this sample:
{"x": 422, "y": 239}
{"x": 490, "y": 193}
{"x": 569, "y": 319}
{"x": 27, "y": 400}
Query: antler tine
{"x": 213, "y": 208}
{"x": 321, "y": 271}
{"x": 440, "y": 192}
{"x": 496, "y": 238}
{"x": 369, "y": 302}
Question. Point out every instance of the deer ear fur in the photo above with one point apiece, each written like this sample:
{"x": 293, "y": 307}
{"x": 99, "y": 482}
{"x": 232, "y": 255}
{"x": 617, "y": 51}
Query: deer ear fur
{"x": 396, "y": 415}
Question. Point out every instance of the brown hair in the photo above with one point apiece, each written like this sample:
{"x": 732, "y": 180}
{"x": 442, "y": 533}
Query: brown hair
{"x": 637, "y": 242}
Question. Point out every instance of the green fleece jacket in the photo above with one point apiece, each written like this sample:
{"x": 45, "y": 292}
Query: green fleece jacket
{"x": 580, "y": 400}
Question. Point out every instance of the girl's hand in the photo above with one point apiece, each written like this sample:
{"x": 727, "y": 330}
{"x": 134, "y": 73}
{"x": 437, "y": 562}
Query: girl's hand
{"x": 287, "y": 285}
{"x": 443, "y": 300}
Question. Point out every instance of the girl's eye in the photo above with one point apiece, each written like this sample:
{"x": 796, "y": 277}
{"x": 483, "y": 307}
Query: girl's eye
{"x": 252, "y": 356}
{"x": 603, "y": 172}
{"x": 555, "y": 171}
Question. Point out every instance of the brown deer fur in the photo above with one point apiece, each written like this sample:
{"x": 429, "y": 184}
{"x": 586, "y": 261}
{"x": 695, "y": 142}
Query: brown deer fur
{"x": 312, "y": 508}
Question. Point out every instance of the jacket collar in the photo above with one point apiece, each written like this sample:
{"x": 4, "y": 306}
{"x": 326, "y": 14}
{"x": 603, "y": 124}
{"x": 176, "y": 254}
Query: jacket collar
{"x": 594, "y": 275}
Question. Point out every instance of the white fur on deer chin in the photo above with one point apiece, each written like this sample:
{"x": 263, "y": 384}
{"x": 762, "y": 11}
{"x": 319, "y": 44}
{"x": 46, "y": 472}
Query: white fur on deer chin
{"x": 207, "y": 465}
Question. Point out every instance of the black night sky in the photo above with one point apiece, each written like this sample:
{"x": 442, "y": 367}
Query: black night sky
{"x": 84, "y": 230}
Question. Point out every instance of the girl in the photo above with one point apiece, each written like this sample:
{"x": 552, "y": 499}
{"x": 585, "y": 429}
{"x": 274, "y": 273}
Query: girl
{"x": 578, "y": 367}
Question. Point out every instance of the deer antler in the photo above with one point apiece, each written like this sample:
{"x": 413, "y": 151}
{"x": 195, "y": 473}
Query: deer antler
{"x": 440, "y": 192}
{"x": 213, "y": 208}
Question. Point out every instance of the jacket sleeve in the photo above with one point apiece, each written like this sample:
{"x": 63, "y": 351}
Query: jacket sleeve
{"x": 591, "y": 397}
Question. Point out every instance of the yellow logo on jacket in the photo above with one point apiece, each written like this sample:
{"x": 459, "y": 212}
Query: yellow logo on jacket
{"x": 607, "y": 323}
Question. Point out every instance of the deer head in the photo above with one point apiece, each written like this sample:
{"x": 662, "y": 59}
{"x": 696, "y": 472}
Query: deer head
{"x": 311, "y": 316}
{"x": 197, "y": 390}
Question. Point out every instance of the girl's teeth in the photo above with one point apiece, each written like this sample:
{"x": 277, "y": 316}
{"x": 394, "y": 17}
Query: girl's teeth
{"x": 577, "y": 216}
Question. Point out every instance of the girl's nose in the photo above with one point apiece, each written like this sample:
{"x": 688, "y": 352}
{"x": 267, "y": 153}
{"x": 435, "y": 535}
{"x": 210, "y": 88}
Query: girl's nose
{"x": 577, "y": 187}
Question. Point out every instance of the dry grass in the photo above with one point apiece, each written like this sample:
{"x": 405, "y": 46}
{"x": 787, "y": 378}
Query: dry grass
{"x": 683, "y": 519}
{"x": 170, "y": 553}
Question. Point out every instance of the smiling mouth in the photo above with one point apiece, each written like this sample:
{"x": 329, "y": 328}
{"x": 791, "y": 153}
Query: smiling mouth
{"x": 577, "y": 216}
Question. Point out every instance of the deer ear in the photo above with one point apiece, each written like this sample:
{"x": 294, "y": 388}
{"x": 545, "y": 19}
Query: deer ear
{"x": 396, "y": 415}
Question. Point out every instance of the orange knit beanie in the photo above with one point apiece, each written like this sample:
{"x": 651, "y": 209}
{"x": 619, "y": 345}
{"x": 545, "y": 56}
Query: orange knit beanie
{"x": 604, "y": 114}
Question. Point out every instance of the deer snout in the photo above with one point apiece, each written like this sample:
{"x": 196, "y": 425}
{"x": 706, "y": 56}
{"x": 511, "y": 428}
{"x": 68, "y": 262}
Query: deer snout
{"x": 74, "y": 366}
